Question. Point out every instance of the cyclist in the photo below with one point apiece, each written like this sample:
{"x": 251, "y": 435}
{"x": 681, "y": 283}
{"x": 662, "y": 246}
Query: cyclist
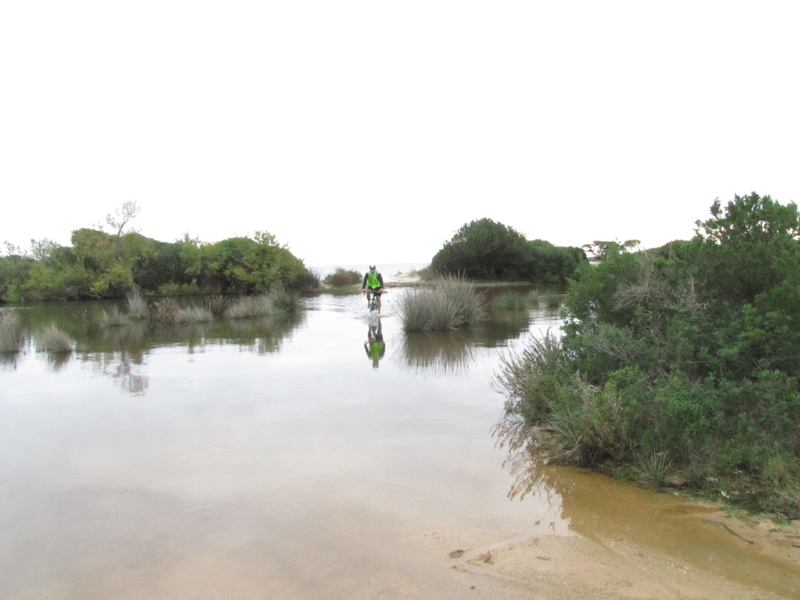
{"x": 373, "y": 284}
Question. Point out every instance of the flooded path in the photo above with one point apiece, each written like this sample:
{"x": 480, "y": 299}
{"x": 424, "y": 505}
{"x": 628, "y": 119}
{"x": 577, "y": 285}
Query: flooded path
{"x": 277, "y": 460}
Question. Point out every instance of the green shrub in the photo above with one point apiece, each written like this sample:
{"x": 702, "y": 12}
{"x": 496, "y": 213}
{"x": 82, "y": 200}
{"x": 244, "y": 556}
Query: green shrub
{"x": 681, "y": 359}
{"x": 482, "y": 249}
{"x": 342, "y": 278}
{"x": 306, "y": 281}
{"x": 654, "y": 466}
{"x": 179, "y": 289}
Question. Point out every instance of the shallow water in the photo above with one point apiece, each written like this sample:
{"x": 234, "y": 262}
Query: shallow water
{"x": 278, "y": 458}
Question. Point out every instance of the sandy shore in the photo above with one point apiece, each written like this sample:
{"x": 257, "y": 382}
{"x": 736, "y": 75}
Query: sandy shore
{"x": 614, "y": 566}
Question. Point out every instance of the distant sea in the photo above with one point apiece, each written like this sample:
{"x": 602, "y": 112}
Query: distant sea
{"x": 389, "y": 271}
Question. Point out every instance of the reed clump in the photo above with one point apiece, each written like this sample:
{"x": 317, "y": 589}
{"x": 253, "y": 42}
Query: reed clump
{"x": 193, "y": 314}
{"x": 250, "y": 307}
{"x": 217, "y": 304}
{"x": 52, "y": 339}
{"x": 165, "y": 310}
{"x": 113, "y": 317}
{"x": 516, "y": 301}
{"x": 137, "y": 306}
{"x": 450, "y": 303}
{"x": 552, "y": 300}
{"x": 284, "y": 301}
{"x": 11, "y": 334}
{"x": 277, "y": 301}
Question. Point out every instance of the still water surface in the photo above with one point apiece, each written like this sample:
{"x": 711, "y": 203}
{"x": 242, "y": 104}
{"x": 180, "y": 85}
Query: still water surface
{"x": 272, "y": 458}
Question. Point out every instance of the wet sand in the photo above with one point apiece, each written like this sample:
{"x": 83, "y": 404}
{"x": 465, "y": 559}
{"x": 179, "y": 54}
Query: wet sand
{"x": 621, "y": 542}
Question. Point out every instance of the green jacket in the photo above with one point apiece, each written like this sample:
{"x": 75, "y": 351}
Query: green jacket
{"x": 372, "y": 280}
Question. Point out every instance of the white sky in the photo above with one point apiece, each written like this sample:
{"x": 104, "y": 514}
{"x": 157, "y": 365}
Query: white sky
{"x": 369, "y": 131}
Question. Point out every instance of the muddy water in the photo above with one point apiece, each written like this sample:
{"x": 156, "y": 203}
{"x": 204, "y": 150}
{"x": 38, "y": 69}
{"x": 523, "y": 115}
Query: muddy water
{"x": 285, "y": 459}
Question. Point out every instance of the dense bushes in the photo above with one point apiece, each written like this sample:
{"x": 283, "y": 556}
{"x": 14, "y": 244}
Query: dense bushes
{"x": 101, "y": 265}
{"x": 343, "y": 277}
{"x": 688, "y": 353}
{"x": 485, "y": 249}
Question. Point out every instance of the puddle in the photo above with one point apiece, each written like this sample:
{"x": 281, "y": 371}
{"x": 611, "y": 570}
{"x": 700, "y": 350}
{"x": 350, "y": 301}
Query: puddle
{"x": 274, "y": 459}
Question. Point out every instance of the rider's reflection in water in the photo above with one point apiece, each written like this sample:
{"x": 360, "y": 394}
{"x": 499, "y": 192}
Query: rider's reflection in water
{"x": 375, "y": 347}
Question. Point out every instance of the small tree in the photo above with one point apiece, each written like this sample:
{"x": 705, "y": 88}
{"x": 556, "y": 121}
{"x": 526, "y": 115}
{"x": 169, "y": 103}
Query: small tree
{"x": 121, "y": 217}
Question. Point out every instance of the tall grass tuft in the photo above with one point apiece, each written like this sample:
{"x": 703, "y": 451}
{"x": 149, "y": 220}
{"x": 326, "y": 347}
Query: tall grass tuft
{"x": 277, "y": 301}
{"x": 193, "y": 314}
{"x": 450, "y": 303}
{"x": 52, "y": 339}
{"x": 250, "y": 307}
{"x": 515, "y": 301}
{"x": 654, "y": 466}
{"x": 217, "y": 305}
{"x": 552, "y": 300}
{"x": 137, "y": 305}
{"x": 11, "y": 335}
{"x": 113, "y": 317}
{"x": 164, "y": 311}
{"x": 284, "y": 301}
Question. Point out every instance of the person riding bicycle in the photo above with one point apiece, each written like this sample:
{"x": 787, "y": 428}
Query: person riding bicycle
{"x": 373, "y": 284}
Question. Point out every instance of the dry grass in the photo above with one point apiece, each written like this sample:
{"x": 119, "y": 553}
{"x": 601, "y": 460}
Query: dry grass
{"x": 52, "y": 339}
{"x": 164, "y": 311}
{"x": 11, "y": 334}
{"x": 450, "y": 303}
{"x": 274, "y": 302}
{"x": 137, "y": 306}
{"x": 113, "y": 317}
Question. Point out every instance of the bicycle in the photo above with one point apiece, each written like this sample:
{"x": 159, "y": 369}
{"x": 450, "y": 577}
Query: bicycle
{"x": 372, "y": 304}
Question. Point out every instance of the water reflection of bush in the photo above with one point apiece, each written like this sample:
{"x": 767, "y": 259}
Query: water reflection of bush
{"x": 453, "y": 351}
{"x": 124, "y": 367}
{"x": 526, "y": 463}
{"x": 55, "y": 361}
{"x": 10, "y": 360}
{"x": 264, "y": 335}
{"x": 503, "y": 326}
{"x": 446, "y": 352}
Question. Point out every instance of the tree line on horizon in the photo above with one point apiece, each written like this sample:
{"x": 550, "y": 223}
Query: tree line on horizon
{"x": 99, "y": 265}
{"x": 103, "y": 265}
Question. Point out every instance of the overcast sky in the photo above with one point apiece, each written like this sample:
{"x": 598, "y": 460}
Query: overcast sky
{"x": 370, "y": 131}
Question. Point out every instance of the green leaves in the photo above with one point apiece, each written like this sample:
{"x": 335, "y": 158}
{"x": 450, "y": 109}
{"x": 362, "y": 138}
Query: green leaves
{"x": 486, "y": 249}
{"x": 691, "y": 349}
